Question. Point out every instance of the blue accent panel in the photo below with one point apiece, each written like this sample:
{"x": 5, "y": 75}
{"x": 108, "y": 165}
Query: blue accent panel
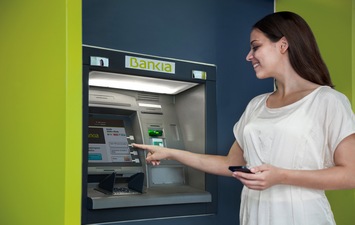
{"x": 95, "y": 157}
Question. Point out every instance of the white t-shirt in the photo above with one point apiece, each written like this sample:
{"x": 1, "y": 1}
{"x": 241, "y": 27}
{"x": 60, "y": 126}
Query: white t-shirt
{"x": 299, "y": 136}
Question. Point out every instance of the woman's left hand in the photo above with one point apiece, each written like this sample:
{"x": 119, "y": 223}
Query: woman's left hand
{"x": 261, "y": 178}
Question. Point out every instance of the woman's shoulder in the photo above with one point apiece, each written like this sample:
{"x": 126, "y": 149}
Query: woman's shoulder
{"x": 327, "y": 93}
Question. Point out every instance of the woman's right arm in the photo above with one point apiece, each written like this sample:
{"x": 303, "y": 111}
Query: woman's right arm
{"x": 213, "y": 164}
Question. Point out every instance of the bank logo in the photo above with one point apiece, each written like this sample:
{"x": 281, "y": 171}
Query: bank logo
{"x": 150, "y": 64}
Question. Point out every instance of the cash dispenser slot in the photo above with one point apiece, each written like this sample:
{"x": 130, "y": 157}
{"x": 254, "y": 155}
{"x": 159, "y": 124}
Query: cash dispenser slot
{"x": 110, "y": 186}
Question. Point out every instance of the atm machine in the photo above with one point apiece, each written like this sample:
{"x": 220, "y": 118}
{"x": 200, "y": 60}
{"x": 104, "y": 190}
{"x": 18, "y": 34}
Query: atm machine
{"x": 135, "y": 98}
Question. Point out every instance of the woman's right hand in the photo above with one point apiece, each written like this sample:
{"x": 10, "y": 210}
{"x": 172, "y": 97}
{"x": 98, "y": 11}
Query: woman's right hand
{"x": 155, "y": 153}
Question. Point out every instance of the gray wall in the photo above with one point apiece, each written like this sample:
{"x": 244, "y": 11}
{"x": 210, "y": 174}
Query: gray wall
{"x": 211, "y": 31}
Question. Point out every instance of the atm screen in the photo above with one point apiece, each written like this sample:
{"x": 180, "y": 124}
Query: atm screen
{"x": 108, "y": 144}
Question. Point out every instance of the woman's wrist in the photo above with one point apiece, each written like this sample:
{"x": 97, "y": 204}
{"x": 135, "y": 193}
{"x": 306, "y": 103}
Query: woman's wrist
{"x": 284, "y": 176}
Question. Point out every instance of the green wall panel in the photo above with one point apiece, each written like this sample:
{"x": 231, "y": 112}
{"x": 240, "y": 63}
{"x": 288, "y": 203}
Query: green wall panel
{"x": 40, "y": 110}
{"x": 333, "y": 25}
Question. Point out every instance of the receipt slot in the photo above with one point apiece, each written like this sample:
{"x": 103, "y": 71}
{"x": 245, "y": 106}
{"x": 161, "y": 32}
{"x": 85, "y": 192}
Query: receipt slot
{"x": 133, "y": 98}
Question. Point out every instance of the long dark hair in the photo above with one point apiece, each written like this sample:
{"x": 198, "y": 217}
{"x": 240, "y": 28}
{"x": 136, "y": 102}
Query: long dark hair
{"x": 304, "y": 54}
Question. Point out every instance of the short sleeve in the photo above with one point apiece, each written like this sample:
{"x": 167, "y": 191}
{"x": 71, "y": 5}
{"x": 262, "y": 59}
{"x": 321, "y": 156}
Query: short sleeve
{"x": 341, "y": 120}
{"x": 238, "y": 130}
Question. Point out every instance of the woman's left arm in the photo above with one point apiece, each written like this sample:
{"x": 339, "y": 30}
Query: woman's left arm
{"x": 340, "y": 176}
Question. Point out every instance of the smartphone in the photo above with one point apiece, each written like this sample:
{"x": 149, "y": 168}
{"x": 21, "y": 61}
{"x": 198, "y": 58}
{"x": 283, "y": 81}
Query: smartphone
{"x": 243, "y": 169}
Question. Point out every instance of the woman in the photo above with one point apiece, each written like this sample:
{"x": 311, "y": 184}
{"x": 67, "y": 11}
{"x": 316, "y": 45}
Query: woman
{"x": 297, "y": 141}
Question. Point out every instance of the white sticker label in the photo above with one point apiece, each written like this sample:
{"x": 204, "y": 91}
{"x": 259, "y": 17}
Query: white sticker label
{"x": 99, "y": 61}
